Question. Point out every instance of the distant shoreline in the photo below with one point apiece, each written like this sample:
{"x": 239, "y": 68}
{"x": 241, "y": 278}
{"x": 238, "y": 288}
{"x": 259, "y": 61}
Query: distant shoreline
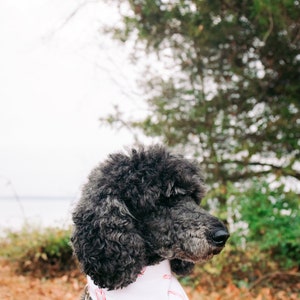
{"x": 38, "y": 198}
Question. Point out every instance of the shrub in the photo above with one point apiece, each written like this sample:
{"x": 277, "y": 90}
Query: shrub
{"x": 42, "y": 252}
{"x": 272, "y": 218}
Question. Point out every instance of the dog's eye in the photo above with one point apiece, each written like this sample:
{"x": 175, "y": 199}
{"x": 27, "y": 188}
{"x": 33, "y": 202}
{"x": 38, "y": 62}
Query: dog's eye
{"x": 196, "y": 198}
{"x": 170, "y": 201}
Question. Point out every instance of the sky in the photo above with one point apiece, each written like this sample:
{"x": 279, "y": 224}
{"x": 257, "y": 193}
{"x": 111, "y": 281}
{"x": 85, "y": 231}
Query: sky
{"x": 58, "y": 76}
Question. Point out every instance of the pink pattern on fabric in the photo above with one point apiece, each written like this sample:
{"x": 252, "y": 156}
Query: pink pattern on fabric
{"x": 100, "y": 294}
{"x": 167, "y": 276}
{"x": 173, "y": 293}
{"x": 142, "y": 272}
{"x": 154, "y": 282}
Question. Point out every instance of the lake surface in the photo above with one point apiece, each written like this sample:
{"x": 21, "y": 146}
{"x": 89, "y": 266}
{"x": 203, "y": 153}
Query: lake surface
{"x": 39, "y": 211}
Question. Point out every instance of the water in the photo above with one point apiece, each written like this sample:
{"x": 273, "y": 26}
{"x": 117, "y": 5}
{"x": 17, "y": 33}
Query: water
{"x": 39, "y": 211}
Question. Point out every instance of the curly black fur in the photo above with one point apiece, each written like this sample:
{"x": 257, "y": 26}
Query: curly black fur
{"x": 138, "y": 209}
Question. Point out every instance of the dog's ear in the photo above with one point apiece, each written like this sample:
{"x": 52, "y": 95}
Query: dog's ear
{"x": 105, "y": 240}
{"x": 181, "y": 267}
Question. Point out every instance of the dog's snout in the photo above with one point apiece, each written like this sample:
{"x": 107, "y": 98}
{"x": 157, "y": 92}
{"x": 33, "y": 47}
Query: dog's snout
{"x": 220, "y": 237}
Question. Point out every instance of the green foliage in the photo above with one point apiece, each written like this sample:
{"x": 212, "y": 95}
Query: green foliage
{"x": 230, "y": 90}
{"x": 273, "y": 221}
{"x": 38, "y": 251}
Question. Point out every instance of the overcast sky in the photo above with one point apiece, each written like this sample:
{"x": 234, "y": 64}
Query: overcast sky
{"x": 57, "y": 77}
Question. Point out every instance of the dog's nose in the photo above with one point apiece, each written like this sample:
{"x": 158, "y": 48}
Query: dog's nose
{"x": 220, "y": 237}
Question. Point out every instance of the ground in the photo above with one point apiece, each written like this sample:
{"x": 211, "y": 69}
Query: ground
{"x": 16, "y": 287}
{"x": 69, "y": 286}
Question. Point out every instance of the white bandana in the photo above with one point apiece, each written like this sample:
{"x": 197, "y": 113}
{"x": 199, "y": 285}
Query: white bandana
{"x": 154, "y": 283}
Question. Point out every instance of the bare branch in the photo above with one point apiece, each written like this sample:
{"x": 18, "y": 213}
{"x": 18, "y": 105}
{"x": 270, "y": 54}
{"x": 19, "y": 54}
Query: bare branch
{"x": 70, "y": 17}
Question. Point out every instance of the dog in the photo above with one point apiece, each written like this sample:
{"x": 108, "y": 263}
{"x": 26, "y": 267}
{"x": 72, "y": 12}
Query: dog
{"x": 139, "y": 221}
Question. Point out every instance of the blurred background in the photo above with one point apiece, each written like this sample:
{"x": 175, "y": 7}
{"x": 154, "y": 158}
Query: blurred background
{"x": 59, "y": 75}
{"x": 215, "y": 80}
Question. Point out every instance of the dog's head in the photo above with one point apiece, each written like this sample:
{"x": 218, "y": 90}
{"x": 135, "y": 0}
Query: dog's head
{"x": 139, "y": 209}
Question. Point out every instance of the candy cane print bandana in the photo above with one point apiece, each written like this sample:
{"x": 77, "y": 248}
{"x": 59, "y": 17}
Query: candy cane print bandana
{"x": 154, "y": 283}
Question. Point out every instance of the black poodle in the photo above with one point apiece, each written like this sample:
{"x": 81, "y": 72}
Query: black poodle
{"x": 140, "y": 209}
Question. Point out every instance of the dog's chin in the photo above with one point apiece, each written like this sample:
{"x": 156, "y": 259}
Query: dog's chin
{"x": 203, "y": 257}
{"x": 210, "y": 255}
{"x": 190, "y": 255}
